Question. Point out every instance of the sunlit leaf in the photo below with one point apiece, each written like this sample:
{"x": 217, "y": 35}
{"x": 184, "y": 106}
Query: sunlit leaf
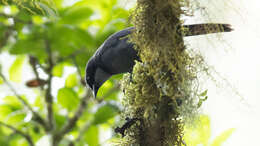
{"x": 39, "y": 102}
{"x": 15, "y": 71}
{"x": 200, "y": 133}
{"x": 58, "y": 70}
{"x": 75, "y": 15}
{"x": 92, "y": 136}
{"x": 15, "y": 117}
{"x": 13, "y": 102}
{"x": 71, "y": 80}
{"x": 60, "y": 120}
{"x": 204, "y": 93}
{"x": 219, "y": 140}
{"x": 1, "y": 80}
{"x": 4, "y": 111}
{"x": 68, "y": 98}
{"x": 104, "y": 113}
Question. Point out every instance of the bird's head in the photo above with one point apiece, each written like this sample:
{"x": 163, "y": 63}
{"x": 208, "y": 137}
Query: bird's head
{"x": 95, "y": 76}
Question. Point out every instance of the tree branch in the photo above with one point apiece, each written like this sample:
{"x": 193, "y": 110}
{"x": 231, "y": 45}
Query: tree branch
{"x": 38, "y": 118}
{"x": 72, "y": 121}
{"x": 26, "y": 136}
{"x": 48, "y": 96}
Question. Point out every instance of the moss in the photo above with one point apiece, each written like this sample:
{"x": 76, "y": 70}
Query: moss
{"x": 167, "y": 73}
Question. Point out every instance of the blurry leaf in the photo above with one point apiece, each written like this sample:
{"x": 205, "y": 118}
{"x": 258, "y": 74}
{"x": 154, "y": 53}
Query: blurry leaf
{"x": 71, "y": 80}
{"x": 108, "y": 91}
{"x": 104, "y": 113}
{"x": 15, "y": 71}
{"x": 4, "y": 111}
{"x": 1, "y": 80}
{"x": 13, "y": 102}
{"x": 72, "y": 39}
{"x": 219, "y": 140}
{"x": 75, "y": 15}
{"x": 92, "y": 136}
{"x": 60, "y": 120}
{"x": 199, "y": 134}
{"x": 14, "y": 10}
{"x": 32, "y": 45}
{"x": 37, "y": 20}
{"x": 105, "y": 88}
{"x": 58, "y": 70}
{"x": 15, "y": 117}
{"x": 19, "y": 141}
{"x": 68, "y": 98}
{"x": 39, "y": 102}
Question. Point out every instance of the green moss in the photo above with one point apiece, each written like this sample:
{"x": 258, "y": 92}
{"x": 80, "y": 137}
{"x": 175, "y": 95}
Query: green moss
{"x": 167, "y": 73}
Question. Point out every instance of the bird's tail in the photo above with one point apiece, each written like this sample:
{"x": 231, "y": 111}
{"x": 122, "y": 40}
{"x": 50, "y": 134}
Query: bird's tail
{"x": 207, "y": 28}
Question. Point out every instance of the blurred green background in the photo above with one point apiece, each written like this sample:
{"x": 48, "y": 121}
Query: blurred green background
{"x": 45, "y": 46}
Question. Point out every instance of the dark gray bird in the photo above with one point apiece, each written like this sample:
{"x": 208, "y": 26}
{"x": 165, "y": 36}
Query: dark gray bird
{"x": 116, "y": 55}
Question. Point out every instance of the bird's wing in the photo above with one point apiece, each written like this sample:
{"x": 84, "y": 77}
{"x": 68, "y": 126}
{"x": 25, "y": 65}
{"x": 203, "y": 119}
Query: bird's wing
{"x": 112, "y": 41}
{"x": 117, "y": 55}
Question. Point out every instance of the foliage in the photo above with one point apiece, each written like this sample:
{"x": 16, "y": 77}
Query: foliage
{"x": 47, "y": 38}
{"x": 200, "y": 133}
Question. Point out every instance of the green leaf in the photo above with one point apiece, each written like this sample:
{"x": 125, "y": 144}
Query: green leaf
{"x": 219, "y": 140}
{"x": 92, "y": 136}
{"x": 104, "y": 113}
{"x": 58, "y": 70}
{"x": 13, "y": 102}
{"x": 71, "y": 80}
{"x": 39, "y": 102}
{"x": 68, "y": 98}
{"x": 75, "y": 15}
{"x": 15, "y": 71}
{"x": 204, "y": 93}
{"x": 30, "y": 44}
{"x": 15, "y": 117}
{"x": 4, "y": 111}
{"x": 60, "y": 120}
{"x": 1, "y": 80}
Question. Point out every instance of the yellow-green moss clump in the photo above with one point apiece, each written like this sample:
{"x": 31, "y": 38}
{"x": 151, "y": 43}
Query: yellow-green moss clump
{"x": 165, "y": 76}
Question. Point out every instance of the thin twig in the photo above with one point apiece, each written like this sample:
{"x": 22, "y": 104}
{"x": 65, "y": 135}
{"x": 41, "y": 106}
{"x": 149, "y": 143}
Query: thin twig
{"x": 26, "y": 136}
{"x": 48, "y": 96}
{"x": 72, "y": 121}
{"x": 38, "y": 118}
{"x": 34, "y": 62}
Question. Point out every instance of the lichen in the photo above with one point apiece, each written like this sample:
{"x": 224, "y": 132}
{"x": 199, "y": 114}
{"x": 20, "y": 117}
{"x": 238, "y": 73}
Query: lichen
{"x": 167, "y": 73}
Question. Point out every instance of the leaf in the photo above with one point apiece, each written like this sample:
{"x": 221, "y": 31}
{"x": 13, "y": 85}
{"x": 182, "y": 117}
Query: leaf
{"x": 1, "y": 80}
{"x": 199, "y": 134}
{"x": 15, "y": 117}
{"x": 13, "y": 102}
{"x": 92, "y": 136}
{"x": 75, "y": 15}
{"x": 15, "y": 71}
{"x": 4, "y": 111}
{"x": 104, "y": 113}
{"x": 58, "y": 70}
{"x": 60, "y": 120}
{"x": 219, "y": 140}
{"x": 71, "y": 80}
{"x": 68, "y": 98}
{"x": 204, "y": 93}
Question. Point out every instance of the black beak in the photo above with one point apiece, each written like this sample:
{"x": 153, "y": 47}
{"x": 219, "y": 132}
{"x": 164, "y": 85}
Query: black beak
{"x": 95, "y": 90}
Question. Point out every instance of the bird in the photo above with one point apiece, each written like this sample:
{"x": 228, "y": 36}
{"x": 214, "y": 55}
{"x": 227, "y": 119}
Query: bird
{"x": 117, "y": 55}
